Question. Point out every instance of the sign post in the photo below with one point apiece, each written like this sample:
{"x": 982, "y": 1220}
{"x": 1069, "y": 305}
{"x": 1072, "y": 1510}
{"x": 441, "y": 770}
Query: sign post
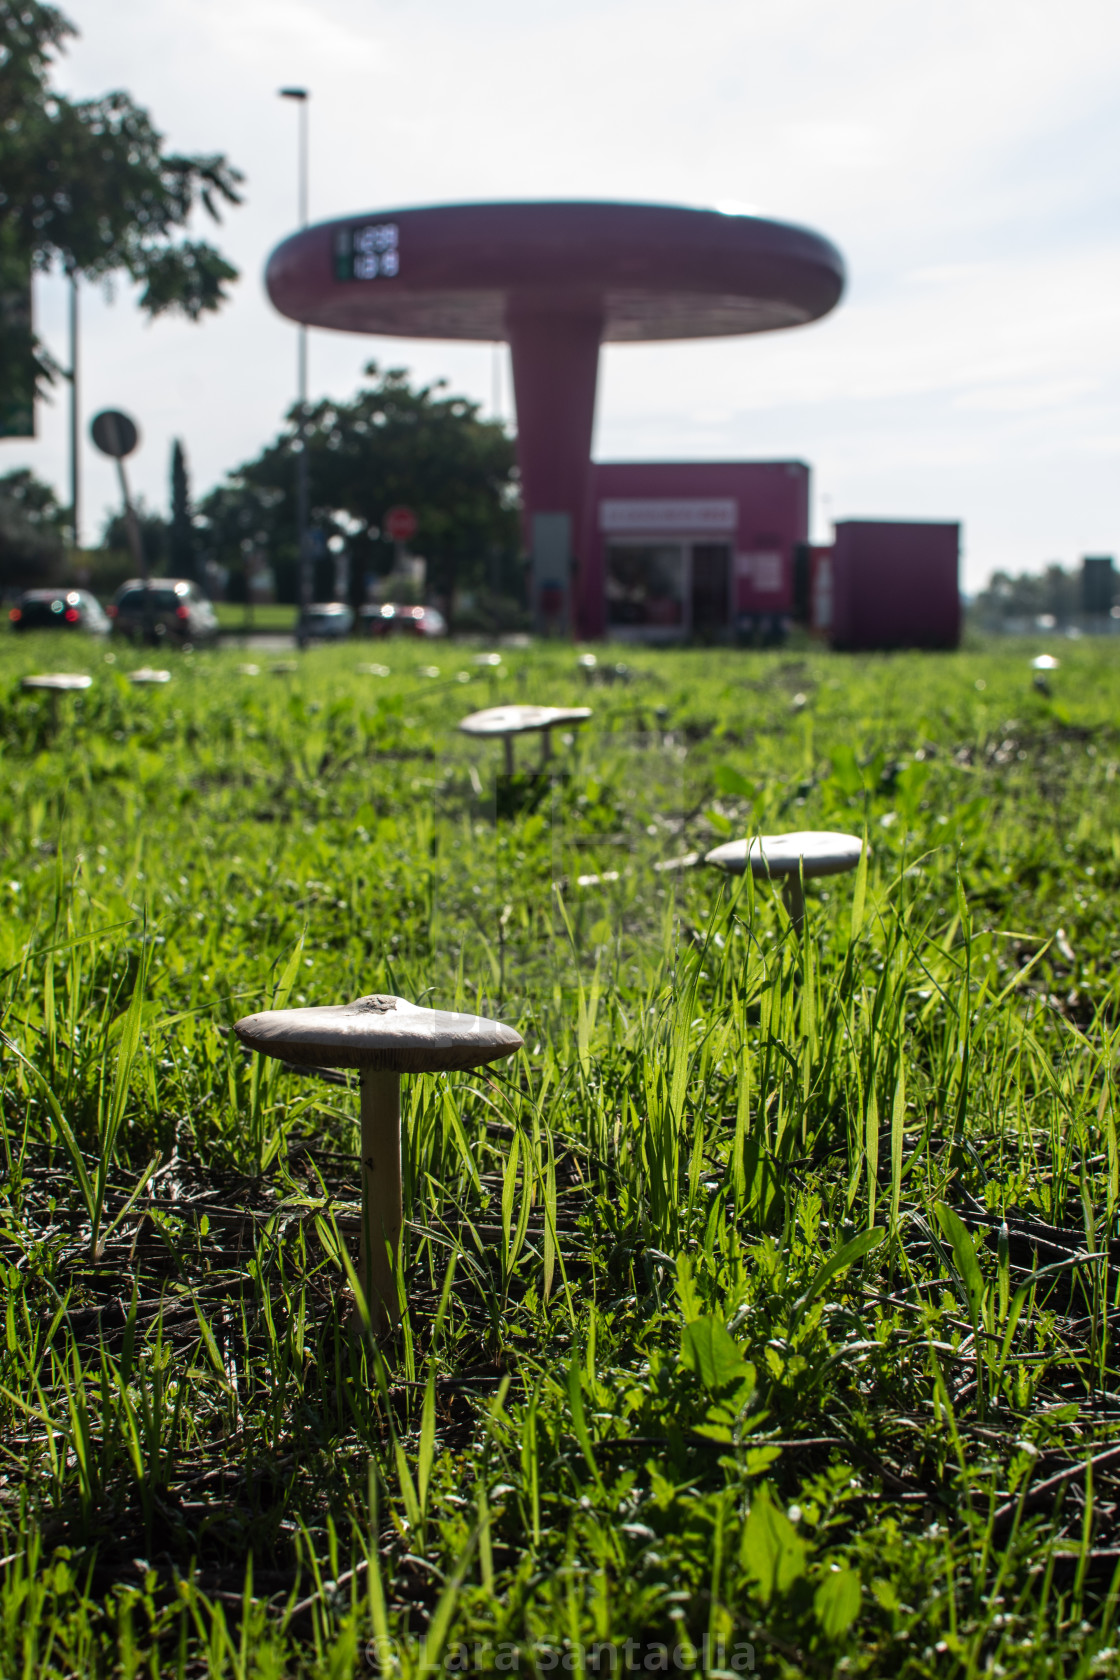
{"x": 115, "y": 435}
{"x": 401, "y": 524}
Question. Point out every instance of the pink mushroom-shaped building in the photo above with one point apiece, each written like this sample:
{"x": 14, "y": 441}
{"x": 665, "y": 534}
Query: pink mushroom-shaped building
{"x": 555, "y": 280}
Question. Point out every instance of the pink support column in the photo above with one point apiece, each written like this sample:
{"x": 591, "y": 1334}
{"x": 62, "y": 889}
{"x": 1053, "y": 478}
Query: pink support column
{"x": 555, "y": 351}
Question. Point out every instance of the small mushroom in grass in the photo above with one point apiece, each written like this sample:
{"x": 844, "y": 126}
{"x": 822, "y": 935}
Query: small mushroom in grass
{"x": 58, "y": 682}
{"x": 1042, "y": 665}
{"x": 145, "y": 674}
{"x": 793, "y": 857}
{"x": 671, "y": 866}
{"x": 382, "y": 1037}
{"x": 504, "y": 722}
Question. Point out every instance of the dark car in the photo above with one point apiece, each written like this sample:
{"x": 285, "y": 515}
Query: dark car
{"x": 59, "y": 609}
{"x": 325, "y": 621}
{"x": 393, "y": 619}
{"x": 167, "y": 610}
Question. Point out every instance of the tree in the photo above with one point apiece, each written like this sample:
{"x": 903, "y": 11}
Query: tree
{"x": 31, "y": 525}
{"x": 155, "y": 537}
{"x": 1054, "y": 593}
{"x": 390, "y": 444}
{"x": 86, "y": 185}
{"x": 181, "y": 544}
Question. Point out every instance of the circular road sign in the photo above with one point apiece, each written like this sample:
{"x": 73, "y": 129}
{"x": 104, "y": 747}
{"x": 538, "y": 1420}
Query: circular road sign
{"x": 114, "y": 433}
{"x": 400, "y": 524}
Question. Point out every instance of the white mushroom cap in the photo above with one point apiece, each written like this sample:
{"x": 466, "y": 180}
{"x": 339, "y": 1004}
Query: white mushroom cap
{"x": 521, "y": 720}
{"x": 145, "y": 674}
{"x": 380, "y": 1033}
{"x": 816, "y": 852}
{"x": 1045, "y": 662}
{"x": 58, "y": 680}
{"x": 688, "y": 860}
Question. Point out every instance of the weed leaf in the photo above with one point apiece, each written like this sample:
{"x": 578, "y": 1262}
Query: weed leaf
{"x": 836, "y": 1601}
{"x": 839, "y": 1262}
{"x": 709, "y": 1349}
{"x": 772, "y": 1552}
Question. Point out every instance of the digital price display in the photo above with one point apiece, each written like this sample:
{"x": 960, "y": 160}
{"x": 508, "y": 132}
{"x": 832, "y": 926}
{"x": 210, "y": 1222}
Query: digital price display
{"x": 367, "y": 253}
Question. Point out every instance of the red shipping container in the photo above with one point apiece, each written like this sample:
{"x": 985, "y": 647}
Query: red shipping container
{"x": 895, "y": 584}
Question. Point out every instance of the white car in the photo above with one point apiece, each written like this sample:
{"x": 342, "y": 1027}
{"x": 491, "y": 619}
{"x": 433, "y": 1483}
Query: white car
{"x": 325, "y": 621}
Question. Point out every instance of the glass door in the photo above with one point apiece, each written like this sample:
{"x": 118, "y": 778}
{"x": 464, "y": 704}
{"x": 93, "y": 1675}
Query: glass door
{"x": 711, "y": 590}
{"x": 646, "y": 590}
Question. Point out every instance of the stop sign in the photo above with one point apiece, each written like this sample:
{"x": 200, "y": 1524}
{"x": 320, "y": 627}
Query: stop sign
{"x": 400, "y": 524}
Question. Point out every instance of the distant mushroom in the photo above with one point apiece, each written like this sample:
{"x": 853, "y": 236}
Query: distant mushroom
{"x": 145, "y": 675}
{"x": 248, "y": 670}
{"x": 1042, "y": 664}
{"x": 688, "y": 860}
{"x": 791, "y": 856}
{"x": 504, "y": 722}
{"x": 383, "y": 1037}
{"x": 58, "y": 682}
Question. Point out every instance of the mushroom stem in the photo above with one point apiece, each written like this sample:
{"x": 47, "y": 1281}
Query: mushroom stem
{"x": 546, "y": 746}
{"x": 508, "y": 742}
{"x": 382, "y": 1211}
{"x": 793, "y": 897}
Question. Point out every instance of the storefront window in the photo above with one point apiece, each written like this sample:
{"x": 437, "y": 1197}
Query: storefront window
{"x": 645, "y": 586}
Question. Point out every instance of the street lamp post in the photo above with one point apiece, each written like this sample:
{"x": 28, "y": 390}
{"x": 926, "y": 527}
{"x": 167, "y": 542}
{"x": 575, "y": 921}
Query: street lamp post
{"x": 303, "y": 486}
{"x": 75, "y": 466}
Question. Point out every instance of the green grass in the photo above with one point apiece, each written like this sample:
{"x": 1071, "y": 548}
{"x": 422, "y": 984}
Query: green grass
{"x": 763, "y": 1308}
{"x": 273, "y": 616}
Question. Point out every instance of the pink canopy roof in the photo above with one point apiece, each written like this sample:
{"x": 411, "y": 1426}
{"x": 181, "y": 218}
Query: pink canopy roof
{"x": 645, "y": 271}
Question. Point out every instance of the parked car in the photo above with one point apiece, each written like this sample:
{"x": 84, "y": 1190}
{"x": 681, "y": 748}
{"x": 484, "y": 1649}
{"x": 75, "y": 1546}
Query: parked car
{"x": 59, "y": 609}
{"x": 167, "y": 610}
{"x": 394, "y": 619}
{"x": 324, "y": 621}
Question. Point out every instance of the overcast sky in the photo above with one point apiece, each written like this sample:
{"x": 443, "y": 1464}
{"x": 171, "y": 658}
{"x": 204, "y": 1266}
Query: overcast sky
{"x": 962, "y": 156}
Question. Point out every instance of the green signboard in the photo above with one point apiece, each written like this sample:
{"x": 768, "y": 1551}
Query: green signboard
{"x": 17, "y": 351}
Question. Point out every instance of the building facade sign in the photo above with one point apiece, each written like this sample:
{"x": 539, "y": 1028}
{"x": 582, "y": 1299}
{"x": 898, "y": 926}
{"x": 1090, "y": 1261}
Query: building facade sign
{"x": 761, "y": 572}
{"x": 695, "y": 516}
